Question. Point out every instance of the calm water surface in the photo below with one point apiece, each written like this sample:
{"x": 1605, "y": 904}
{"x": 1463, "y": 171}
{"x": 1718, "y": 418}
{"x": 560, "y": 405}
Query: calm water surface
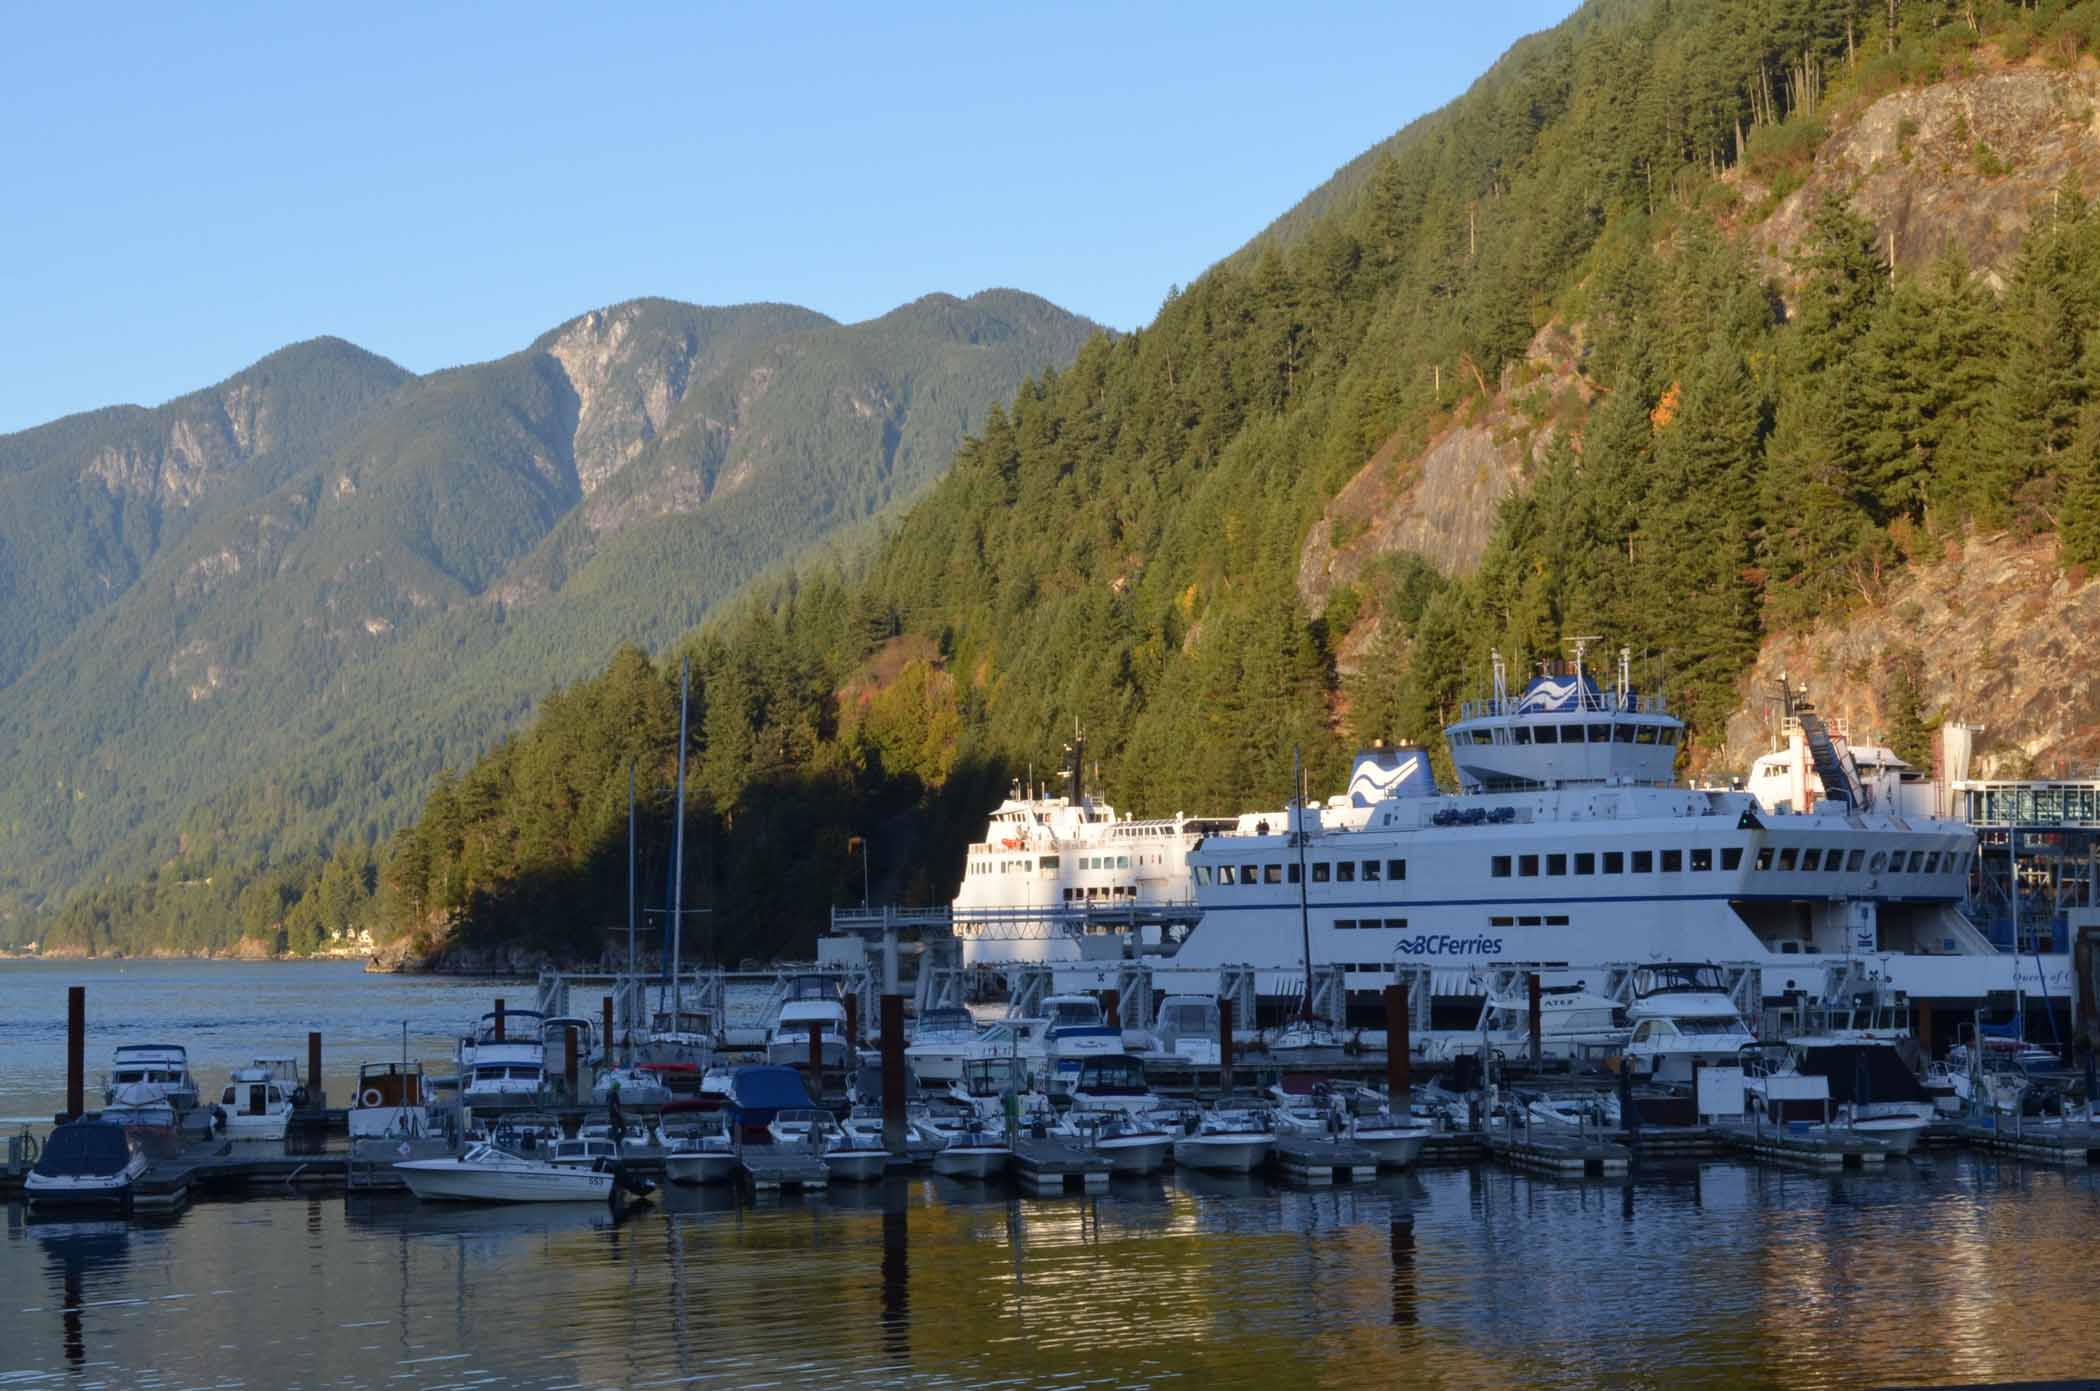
{"x": 1954, "y": 1268}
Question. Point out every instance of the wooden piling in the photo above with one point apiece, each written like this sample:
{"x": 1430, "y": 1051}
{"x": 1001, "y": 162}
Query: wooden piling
{"x": 1399, "y": 1054}
{"x": 852, "y": 1020}
{"x": 607, "y": 1014}
{"x": 76, "y": 1051}
{"x": 568, "y": 1059}
{"x": 499, "y": 1019}
{"x": 816, "y": 1057}
{"x": 316, "y": 1094}
{"x": 1224, "y": 1047}
{"x": 1112, "y": 1008}
{"x": 893, "y": 1073}
{"x": 1536, "y": 1011}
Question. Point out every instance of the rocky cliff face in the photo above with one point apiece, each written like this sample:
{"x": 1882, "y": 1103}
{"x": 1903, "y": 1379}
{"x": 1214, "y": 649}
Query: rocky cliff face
{"x": 2004, "y": 639}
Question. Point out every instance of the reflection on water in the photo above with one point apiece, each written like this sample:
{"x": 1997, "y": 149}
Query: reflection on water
{"x": 1691, "y": 1275}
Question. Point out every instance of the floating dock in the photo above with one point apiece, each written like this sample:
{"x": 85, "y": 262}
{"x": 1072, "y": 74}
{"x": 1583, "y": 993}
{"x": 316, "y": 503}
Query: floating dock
{"x": 1558, "y": 1154}
{"x": 1314, "y": 1161}
{"x": 1049, "y": 1167}
{"x": 2071, "y": 1143}
{"x": 770, "y": 1169}
{"x": 1815, "y": 1149}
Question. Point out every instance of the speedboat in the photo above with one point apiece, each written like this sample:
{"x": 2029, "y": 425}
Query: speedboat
{"x": 1227, "y": 1140}
{"x": 391, "y": 1100}
{"x": 1132, "y": 1144}
{"x": 165, "y": 1066}
{"x": 485, "y": 1174}
{"x": 645, "y": 1087}
{"x": 255, "y": 1106}
{"x": 939, "y": 1042}
{"x": 85, "y": 1164}
{"x": 700, "y": 1154}
{"x": 148, "y": 1119}
{"x": 921, "y": 1140}
{"x": 1396, "y": 1141}
{"x": 848, "y": 1155}
{"x": 974, "y": 1151}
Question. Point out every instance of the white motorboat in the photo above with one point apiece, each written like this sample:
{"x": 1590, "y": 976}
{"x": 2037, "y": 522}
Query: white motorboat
{"x": 684, "y": 1037}
{"x": 1133, "y": 1144}
{"x": 982, "y": 1094}
{"x": 148, "y": 1119}
{"x": 583, "y": 1151}
{"x": 1682, "y": 1014}
{"x": 642, "y": 1088}
{"x": 85, "y": 1164}
{"x": 1301, "y": 1034}
{"x": 700, "y": 1154}
{"x": 787, "y": 1043}
{"x": 1227, "y": 1140}
{"x": 973, "y": 1152}
{"x": 1188, "y": 1029}
{"x": 849, "y": 1155}
{"x": 1021, "y": 1040}
{"x": 940, "y": 1041}
{"x": 254, "y": 1105}
{"x": 391, "y": 1100}
{"x": 503, "y": 1063}
{"x": 1115, "y": 1083}
{"x": 921, "y": 1140}
{"x": 1396, "y": 1141}
{"x": 485, "y": 1174}
{"x": 165, "y": 1066}
{"x": 1076, "y": 1033}
{"x": 286, "y": 1071}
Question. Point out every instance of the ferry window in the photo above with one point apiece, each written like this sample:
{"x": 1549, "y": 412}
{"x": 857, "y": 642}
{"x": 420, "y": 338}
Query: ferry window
{"x": 1879, "y": 863}
{"x": 1833, "y": 859}
{"x": 1202, "y": 877}
{"x": 1225, "y": 874}
{"x": 1644, "y": 734}
{"x": 1521, "y": 734}
{"x": 1917, "y": 861}
{"x": 1764, "y": 857}
{"x": 1483, "y": 736}
{"x": 1811, "y": 859}
{"x": 1644, "y": 862}
{"x": 1319, "y": 870}
{"x": 1502, "y": 922}
{"x": 1702, "y": 859}
{"x": 1370, "y": 871}
{"x": 1291, "y": 873}
{"x": 1528, "y": 922}
{"x": 1027, "y": 864}
{"x": 1556, "y": 864}
{"x": 1614, "y": 862}
{"x": 1395, "y": 924}
{"x": 1852, "y": 862}
{"x": 1669, "y": 736}
{"x": 1556, "y": 920}
{"x": 1622, "y": 733}
{"x": 1396, "y": 869}
{"x": 1345, "y": 871}
{"x": 1345, "y": 924}
{"x": 1786, "y": 858}
{"x": 1673, "y": 862}
{"x": 1272, "y": 874}
{"x": 1499, "y": 867}
{"x": 1049, "y": 862}
{"x": 1250, "y": 874}
{"x": 1932, "y": 862}
{"x": 1600, "y": 734}
{"x": 1732, "y": 857}
{"x": 1585, "y": 863}
{"x": 1122, "y": 862}
{"x": 1528, "y": 866}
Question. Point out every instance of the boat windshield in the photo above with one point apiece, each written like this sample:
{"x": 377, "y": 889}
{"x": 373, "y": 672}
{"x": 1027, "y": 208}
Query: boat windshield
{"x": 1190, "y": 1021}
{"x": 946, "y": 1021}
{"x": 1065, "y": 1013}
{"x": 1710, "y": 1024}
{"x": 1122, "y": 1076}
{"x": 990, "y": 1076}
{"x": 685, "y": 1022}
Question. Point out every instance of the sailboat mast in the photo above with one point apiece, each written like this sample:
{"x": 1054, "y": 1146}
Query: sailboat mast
{"x": 685, "y": 672}
{"x": 630, "y": 867}
{"x": 1298, "y": 837}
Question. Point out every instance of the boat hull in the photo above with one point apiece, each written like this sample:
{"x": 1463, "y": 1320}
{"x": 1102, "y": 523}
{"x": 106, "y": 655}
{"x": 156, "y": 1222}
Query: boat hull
{"x": 1146, "y": 1154}
{"x": 970, "y": 1161}
{"x": 387, "y": 1122}
{"x": 691, "y": 1169}
{"x": 856, "y": 1166}
{"x": 111, "y": 1191}
{"x": 1224, "y": 1154}
{"x": 447, "y": 1180}
{"x": 1395, "y": 1148}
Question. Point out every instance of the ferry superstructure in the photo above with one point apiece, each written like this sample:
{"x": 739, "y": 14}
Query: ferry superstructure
{"x": 1570, "y": 846}
{"x": 1050, "y": 868}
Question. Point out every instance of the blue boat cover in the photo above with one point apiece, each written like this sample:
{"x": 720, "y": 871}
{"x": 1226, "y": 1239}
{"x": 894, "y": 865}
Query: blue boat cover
{"x": 84, "y": 1149}
{"x": 768, "y": 1089}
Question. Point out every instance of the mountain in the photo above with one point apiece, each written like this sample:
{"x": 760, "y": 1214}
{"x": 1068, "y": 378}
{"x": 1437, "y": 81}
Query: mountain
{"x": 1677, "y": 328}
{"x": 252, "y": 621}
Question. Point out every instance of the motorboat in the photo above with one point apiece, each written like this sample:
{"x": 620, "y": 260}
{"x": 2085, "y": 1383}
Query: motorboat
{"x": 286, "y": 1071}
{"x": 391, "y": 1100}
{"x": 981, "y": 1095}
{"x": 700, "y": 1154}
{"x": 1227, "y": 1140}
{"x": 683, "y": 1037}
{"x": 940, "y": 1041}
{"x": 1019, "y": 1039}
{"x": 148, "y": 1118}
{"x": 1132, "y": 1144}
{"x": 1188, "y": 1029}
{"x": 1682, "y": 1015}
{"x": 642, "y": 1088}
{"x": 254, "y": 1105}
{"x": 851, "y": 1156}
{"x": 758, "y": 1093}
{"x": 1076, "y": 1031}
{"x": 583, "y": 1151}
{"x": 503, "y": 1063}
{"x": 1301, "y": 1034}
{"x": 1574, "y": 1022}
{"x": 85, "y": 1163}
{"x": 1114, "y": 1083}
{"x": 974, "y": 1151}
{"x": 486, "y": 1174}
{"x": 1397, "y": 1141}
{"x": 788, "y": 1041}
{"x": 921, "y": 1140}
{"x": 165, "y": 1066}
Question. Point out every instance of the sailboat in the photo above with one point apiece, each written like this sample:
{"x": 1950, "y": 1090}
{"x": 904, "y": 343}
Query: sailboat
{"x": 681, "y": 1040}
{"x": 1306, "y": 1030}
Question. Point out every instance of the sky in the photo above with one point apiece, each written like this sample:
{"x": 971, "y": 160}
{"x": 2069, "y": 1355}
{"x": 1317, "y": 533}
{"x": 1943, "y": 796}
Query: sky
{"x": 188, "y": 188}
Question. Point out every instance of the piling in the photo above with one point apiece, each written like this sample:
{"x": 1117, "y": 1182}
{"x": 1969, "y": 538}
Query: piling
{"x": 568, "y": 1060}
{"x": 316, "y": 1094}
{"x": 816, "y": 1057}
{"x": 499, "y": 1019}
{"x": 1629, "y": 1114}
{"x": 1224, "y": 1047}
{"x": 1399, "y": 1057}
{"x": 607, "y": 1014}
{"x": 1112, "y": 1008}
{"x": 1537, "y": 1023}
{"x": 852, "y": 1020}
{"x": 893, "y": 1073}
{"x": 76, "y": 1051}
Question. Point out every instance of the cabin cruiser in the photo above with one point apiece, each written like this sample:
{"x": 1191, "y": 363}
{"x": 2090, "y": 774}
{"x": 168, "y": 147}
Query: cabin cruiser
{"x": 1869, "y": 1090}
{"x": 1114, "y": 1083}
{"x": 981, "y": 1094}
{"x": 286, "y": 1071}
{"x": 503, "y": 1063}
{"x": 815, "y": 1008}
{"x": 583, "y": 1151}
{"x": 1021, "y": 1040}
{"x": 486, "y": 1174}
{"x": 643, "y": 1087}
{"x": 85, "y": 1163}
{"x": 1188, "y": 1028}
{"x": 1574, "y": 1022}
{"x": 1303, "y": 1033}
{"x": 1228, "y": 1140}
{"x": 940, "y": 1041}
{"x": 1682, "y": 1014}
{"x": 1077, "y": 1031}
{"x": 255, "y": 1106}
{"x": 391, "y": 1100}
{"x": 554, "y": 1041}
{"x": 164, "y": 1066}
{"x": 684, "y": 1036}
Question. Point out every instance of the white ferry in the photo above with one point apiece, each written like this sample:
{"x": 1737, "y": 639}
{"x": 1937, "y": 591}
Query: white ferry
{"x": 1052, "y": 871}
{"x": 1570, "y": 847}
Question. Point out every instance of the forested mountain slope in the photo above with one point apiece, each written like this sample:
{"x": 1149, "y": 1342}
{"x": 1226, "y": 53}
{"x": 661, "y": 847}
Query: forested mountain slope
{"x": 385, "y": 593}
{"x": 1707, "y": 433}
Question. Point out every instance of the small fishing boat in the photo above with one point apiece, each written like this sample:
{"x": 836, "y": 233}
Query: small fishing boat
{"x": 486, "y": 1174}
{"x": 973, "y": 1151}
{"x": 851, "y": 1156}
{"x": 254, "y": 1105}
{"x": 85, "y": 1164}
{"x": 1227, "y": 1140}
{"x": 391, "y": 1100}
{"x": 700, "y": 1154}
{"x": 1132, "y": 1144}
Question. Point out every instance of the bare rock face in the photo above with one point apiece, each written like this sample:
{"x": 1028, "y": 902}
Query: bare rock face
{"x": 2006, "y": 639}
{"x": 176, "y": 465}
{"x": 1961, "y": 163}
{"x": 1441, "y": 503}
{"x": 626, "y": 383}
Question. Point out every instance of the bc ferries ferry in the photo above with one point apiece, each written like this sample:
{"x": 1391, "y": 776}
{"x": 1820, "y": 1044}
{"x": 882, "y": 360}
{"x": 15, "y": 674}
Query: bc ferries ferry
{"x": 1570, "y": 846}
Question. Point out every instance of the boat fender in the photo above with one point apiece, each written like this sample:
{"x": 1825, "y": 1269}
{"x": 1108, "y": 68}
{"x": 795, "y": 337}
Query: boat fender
{"x": 371, "y": 1097}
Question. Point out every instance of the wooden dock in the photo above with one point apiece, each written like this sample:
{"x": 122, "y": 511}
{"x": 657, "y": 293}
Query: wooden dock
{"x": 1048, "y": 1167}
{"x": 2071, "y": 1143}
{"x": 1552, "y": 1153}
{"x": 1814, "y": 1149}
{"x": 1304, "y": 1160}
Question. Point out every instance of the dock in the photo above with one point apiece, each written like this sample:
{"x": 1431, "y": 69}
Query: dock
{"x": 1048, "y": 1167}
{"x": 1552, "y": 1153}
{"x": 773, "y": 1168}
{"x": 1313, "y": 1161}
{"x": 2071, "y": 1143}
{"x": 1815, "y": 1149}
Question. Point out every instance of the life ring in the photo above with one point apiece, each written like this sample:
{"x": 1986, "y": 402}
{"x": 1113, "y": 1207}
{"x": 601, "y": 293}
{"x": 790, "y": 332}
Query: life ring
{"x": 1011, "y": 844}
{"x": 371, "y": 1097}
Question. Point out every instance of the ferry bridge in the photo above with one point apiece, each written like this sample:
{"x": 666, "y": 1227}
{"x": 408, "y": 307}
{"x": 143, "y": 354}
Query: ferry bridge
{"x": 2044, "y": 837}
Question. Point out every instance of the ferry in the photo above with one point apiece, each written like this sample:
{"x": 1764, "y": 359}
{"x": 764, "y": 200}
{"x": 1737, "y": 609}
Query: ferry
{"x": 1571, "y": 847}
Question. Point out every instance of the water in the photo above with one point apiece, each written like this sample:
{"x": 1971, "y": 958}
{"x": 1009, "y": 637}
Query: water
{"x": 1692, "y": 1275}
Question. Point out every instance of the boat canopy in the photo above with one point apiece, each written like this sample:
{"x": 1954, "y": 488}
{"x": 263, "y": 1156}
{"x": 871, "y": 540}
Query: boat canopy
{"x": 768, "y": 1089}
{"x": 84, "y": 1149}
{"x": 1853, "y": 1067}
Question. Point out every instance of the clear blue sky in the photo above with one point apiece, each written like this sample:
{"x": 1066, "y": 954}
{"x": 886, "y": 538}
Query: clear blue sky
{"x": 189, "y": 187}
